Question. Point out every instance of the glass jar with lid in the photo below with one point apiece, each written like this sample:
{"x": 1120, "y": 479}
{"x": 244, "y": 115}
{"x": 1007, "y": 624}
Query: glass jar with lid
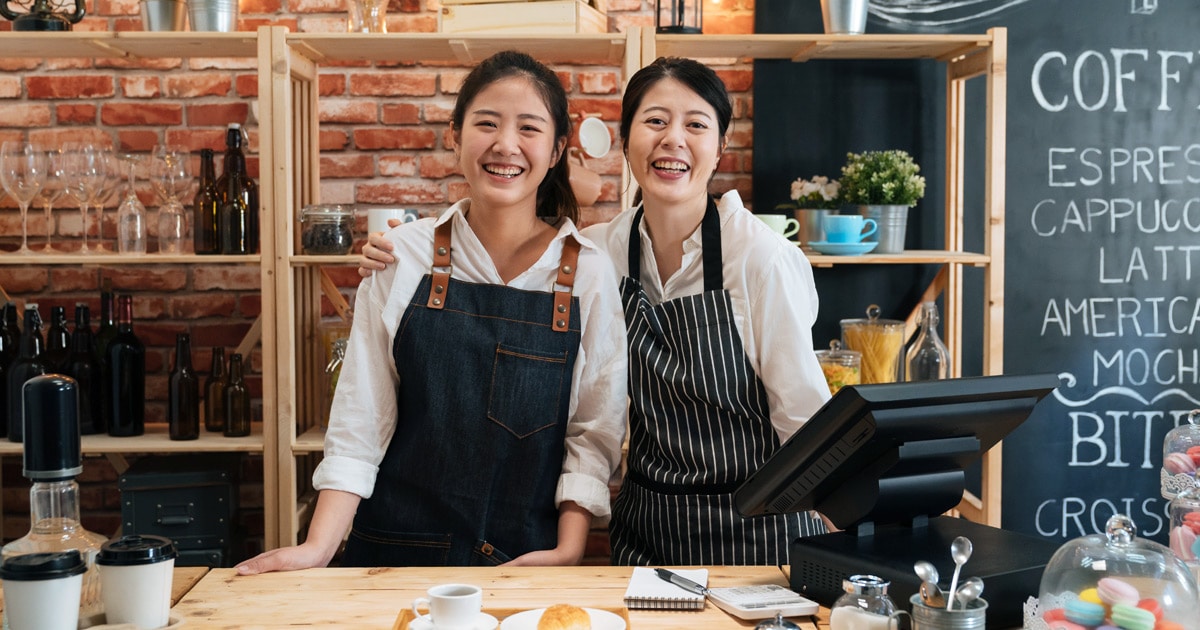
{"x": 1118, "y": 579}
{"x": 865, "y": 605}
{"x": 881, "y": 342}
{"x": 841, "y": 367}
{"x": 1181, "y": 457}
{"x": 326, "y": 229}
{"x": 1184, "y": 534}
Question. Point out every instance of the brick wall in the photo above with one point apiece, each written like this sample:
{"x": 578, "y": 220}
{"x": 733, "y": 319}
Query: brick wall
{"x": 382, "y": 141}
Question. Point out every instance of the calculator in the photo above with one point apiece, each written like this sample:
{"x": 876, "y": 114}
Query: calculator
{"x": 761, "y": 601}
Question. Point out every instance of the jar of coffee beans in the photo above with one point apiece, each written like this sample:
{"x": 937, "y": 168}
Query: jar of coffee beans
{"x": 326, "y": 229}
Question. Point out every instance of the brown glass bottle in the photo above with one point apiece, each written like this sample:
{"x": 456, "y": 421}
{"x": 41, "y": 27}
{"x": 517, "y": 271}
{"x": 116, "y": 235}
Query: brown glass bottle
{"x": 214, "y": 393}
{"x": 237, "y": 400}
{"x": 238, "y": 210}
{"x": 205, "y": 237}
{"x": 125, "y": 376}
{"x": 183, "y": 393}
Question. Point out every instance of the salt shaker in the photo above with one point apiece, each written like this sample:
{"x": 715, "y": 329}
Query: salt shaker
{"x": 864, "y": 606}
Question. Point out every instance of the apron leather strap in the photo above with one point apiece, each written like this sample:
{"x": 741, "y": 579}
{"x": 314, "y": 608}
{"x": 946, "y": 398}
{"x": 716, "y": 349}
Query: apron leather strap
{"x": 567, "y": 265}
{"x": 441, "y": 260}
{"x": 710, "y": 242}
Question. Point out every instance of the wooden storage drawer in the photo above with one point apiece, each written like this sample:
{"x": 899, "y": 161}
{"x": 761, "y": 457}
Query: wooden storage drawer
{"x": 542, "y": 17}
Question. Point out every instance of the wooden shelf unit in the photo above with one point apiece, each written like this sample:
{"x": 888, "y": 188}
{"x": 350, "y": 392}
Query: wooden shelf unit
{"x": 965, "y": 57}
{"x": 115, "y": 51}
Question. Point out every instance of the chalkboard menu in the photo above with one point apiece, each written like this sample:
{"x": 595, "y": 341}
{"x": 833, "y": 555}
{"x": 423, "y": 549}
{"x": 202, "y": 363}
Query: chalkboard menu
{"x": 1102, "y": 283}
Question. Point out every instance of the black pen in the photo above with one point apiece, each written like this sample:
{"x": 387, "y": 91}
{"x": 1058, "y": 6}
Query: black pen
{"x": 681, "y": 582}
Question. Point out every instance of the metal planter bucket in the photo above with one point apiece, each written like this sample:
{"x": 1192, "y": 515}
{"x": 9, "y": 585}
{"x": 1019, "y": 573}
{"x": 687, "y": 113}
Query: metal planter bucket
{"x": 893, "y": 225}
{"x": 164, "y": 15}
{"x": 845, "y": 17}
{"x": 213, "y": 15}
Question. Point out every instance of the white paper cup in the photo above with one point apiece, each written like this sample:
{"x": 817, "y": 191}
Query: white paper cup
{"x": 135, "y": 580}
{"x": 41, "y": 590}
{"x": 377, "y": 218}
{"x": 451, "y": 606}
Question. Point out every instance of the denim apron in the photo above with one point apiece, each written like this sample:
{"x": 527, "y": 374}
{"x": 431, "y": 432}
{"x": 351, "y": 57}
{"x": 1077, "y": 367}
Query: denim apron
{"x": 470, "y": 474}
{"x": 699, "y": 426}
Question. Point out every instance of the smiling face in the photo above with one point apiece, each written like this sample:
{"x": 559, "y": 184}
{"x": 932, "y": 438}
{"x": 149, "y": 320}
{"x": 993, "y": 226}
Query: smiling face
{"x": 673, "y": 144}
{"x": 507, "y": 144}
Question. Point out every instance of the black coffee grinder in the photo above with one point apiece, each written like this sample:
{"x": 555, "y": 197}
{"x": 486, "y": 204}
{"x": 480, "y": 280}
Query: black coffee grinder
{"x": 42, "y": 17}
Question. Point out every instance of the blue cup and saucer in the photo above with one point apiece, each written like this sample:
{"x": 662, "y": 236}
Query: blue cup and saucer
{"x": 842, "y": 249}
{"x": 483, "y": 622}
{"x": 845, "y": 235}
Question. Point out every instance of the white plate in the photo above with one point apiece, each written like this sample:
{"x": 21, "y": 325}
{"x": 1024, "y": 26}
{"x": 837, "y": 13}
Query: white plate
{"x": 484, "y": 622}
{"x": 528, "y": 620}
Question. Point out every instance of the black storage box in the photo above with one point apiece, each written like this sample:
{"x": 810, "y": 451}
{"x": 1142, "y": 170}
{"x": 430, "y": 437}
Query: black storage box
{"x": 191, "y": 499}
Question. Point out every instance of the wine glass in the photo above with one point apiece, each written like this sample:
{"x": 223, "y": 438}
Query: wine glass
{"x": 131, "y": 214}
{"x": 85, "y": 169}
{"x": 113, "y": 171}
{"x": 53, "y": 190}
{"x": 170, "y": 174}
{"x": 22, "y": 173}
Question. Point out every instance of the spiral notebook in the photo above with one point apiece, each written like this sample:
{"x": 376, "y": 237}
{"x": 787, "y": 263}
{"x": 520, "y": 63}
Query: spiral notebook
{"x": 648, "y": 591}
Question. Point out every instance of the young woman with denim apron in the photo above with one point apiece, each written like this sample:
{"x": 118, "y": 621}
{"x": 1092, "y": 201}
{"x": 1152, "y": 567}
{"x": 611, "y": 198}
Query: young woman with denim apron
{"x": 719, "y": 311}
{"x": 481, "y": 406}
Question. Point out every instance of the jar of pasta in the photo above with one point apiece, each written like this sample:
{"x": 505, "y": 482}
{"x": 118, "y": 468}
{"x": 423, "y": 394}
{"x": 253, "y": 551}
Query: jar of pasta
{"x": 881, "y": 343}
{"x": 841, "y": 367}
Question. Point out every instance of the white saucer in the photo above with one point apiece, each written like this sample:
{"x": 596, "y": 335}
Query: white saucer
{"x": 483, "y": 622}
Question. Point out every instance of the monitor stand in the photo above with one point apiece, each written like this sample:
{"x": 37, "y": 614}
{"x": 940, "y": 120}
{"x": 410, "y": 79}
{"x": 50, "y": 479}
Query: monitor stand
{"x": 1009, "y": 563}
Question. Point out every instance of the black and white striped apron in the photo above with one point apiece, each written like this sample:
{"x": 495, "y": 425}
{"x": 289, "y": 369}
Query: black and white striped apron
{"x": 700, "y": 424}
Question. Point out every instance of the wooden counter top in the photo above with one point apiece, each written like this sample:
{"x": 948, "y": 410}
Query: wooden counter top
{"x": 372, "y": 598}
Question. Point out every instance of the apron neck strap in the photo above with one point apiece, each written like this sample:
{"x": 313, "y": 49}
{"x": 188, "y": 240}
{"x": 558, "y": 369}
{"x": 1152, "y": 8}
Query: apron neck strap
{"x": 710, "y": 242}
{"x": 441, "y": 265}
{"x": 561, "y": 317}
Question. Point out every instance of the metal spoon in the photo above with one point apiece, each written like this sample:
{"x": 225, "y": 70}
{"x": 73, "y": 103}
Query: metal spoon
{"x": 970, "y": 590}
{"x": 931, "y": 595}
{"x": 960, "y": 551}
{"x": 926, "y": 571}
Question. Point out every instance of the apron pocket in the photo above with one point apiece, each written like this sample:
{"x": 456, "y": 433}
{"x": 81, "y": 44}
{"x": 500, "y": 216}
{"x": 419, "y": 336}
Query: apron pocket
{"x": 487, "y": 555}
{"x": 369, "y": 547}
{"x": 526, "y": 389}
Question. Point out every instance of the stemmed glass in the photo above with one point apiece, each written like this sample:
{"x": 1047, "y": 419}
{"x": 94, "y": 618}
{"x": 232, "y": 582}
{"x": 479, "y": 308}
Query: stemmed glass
{"x": 53, "y": 190}
{"x": 106, "y": 192}
{"x": 131, "y": 214}
{"x": 22, "y": 173}
{"x": 170, "y": 174}
{"x": 85, "y": 168}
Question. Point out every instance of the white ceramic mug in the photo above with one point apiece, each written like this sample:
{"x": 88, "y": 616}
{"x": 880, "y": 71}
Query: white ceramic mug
{"x": 451, "y": 606}
{"x": 848, "y": 228}
{"x": 594, "y": 137}
{"x": 786, "y": 227}
{"x": 377, "y": 218}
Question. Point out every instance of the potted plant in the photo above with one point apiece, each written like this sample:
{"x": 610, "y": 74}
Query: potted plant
{"x": 885, "y": 184}
{"x": 812, "y": 199}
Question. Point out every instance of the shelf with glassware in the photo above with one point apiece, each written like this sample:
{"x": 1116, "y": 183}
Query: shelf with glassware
{"x": 289, "y": 138}
{"x": 964, "y": 57}
{"x": 125, "y": 50}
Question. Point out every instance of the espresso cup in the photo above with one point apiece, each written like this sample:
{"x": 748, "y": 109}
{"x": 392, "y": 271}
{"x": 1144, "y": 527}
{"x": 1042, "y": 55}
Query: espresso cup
{"x": 377, "y": 218}
{"x": 135, "y": 580}
{"x": 786, "y": 227}
{"x": 451, "y": 606}
{"x": 848, "y": 228}
{"x": 585, "y": 183}
{"x": 41, "y": 590}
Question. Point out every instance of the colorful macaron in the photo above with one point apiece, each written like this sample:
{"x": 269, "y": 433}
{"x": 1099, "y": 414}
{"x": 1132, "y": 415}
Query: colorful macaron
{"x": 1090, "y": 595}
{"x": 1153, "y": 606}
{"x": 1085, "y": 613}
{"x": 1113, "y": 591}
{"x": 1181, "y": 541}
{"x": 1132, "y": 618}
{"x": 1054, "y": 614}
{"x": 1179, "y": 464}
{"x": 1194, "y": 453}
{"x": 1168, "y": 625}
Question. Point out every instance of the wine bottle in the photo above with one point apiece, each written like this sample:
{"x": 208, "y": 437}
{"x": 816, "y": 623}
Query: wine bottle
{"x": 125, "y": 376}
{"x": 107, "y": 328}
{"x": 238, "y": 216}
{"x": 58, "y": 340}
{"x": 204, "y": 207}
{"x": 82, "y": 366}
{"x": 9, "y": 332}
{"x": 183, "y": 393}
{"x": 28, "y": 364}
{"x": 237, "y": 400}
{"x": 214, "y": 393}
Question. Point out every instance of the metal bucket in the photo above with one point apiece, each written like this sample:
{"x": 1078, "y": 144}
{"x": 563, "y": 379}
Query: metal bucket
{"x": 845, "y": 17}
{"x": 893, "y": 225}
{"x": 927, "y": 618}
{"x": 213, "y": 15}
{"x": 164, "y": 15}
{"x": 810, "y": 226}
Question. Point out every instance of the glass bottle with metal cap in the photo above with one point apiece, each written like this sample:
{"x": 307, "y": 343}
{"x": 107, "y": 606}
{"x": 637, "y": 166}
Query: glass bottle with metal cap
{"x": 864, "y": 606}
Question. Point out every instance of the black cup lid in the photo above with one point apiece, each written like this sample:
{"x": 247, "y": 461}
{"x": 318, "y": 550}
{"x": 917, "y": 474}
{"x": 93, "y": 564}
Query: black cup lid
{"x": 43, "y": 566}
{"x": 136, "y": 549}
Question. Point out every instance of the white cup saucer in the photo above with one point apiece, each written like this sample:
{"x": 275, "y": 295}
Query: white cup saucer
{"x": 483, "y": 622}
